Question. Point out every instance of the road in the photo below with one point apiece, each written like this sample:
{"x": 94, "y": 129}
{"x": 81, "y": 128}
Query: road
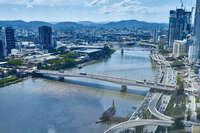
{"x": 144, "y": 106}
{"x": 135, "y": 123}
{"x": 192, "y": 108}
{"x": 153, "y": 108}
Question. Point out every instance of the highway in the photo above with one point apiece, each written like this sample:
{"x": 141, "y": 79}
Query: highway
{"x": 147, "y": 84}
{"x": 135, "y": 123}
{"x": 144, "y": 106}
{"x": 153, "y": 108}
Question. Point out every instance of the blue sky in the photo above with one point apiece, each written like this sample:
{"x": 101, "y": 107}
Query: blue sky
{"x": 89, "y": 10}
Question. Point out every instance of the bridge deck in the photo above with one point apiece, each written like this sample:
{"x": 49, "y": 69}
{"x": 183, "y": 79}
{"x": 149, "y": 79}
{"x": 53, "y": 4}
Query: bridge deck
{"x": 147, "y": 84}
{"x": 135, "y": 123}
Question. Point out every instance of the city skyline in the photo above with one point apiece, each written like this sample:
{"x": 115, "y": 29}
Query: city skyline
{"x": 88, "y": 10}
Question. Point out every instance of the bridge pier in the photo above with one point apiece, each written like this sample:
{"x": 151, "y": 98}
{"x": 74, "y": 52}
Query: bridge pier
{"x": 61, "y": 78}
{"x": 166, "y": 130}
{"x": 122, "y": 51}
{"x": 37, "y": 75}
{"x": 123, "y": 88}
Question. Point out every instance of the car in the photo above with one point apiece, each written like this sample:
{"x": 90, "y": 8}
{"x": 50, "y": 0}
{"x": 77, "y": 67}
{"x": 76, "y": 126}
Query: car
{"x": 61, "y": 71}
{"x": 83, "y": 73}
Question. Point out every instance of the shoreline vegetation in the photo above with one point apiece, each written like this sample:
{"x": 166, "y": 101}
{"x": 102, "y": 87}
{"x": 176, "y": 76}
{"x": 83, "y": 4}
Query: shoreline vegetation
{"x": 11, "y": 80}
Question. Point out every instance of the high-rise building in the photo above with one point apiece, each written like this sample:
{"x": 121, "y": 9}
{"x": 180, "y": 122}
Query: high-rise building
{"x": 10, "y": 39}
{"x": 190, "y": 42}
{"x": 155, "y": 36}
{"x": 179, "y": 25}
{"x": 179, "y": 48}
{"x": 45, "y": 37}
{"x": 163, "y": 39}
{"x": 3, "y": 51}
{"x": 172, "y": 28}
{"x": 191, "y": 57}
{"x": 196, "y": 45}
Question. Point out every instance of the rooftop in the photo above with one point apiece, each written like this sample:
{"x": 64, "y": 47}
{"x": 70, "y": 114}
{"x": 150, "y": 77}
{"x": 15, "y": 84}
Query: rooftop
{"x": 88, "y": 51}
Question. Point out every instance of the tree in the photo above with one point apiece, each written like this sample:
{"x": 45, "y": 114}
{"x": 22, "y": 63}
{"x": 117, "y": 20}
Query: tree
{"x": 145, "y": 114}
{"x": 180, "y": 86}
{"x": 177, "y": 64}
{"x": 39, "y": 65}
{"x": 178, "y": 124}
{"x": 163, "y": 51}
{"x": 13, "y": 71}
{"x": 198, "y": 114}
{"x": 189, "y": 115}
{"x": 15, "y": 62}
{"x": 139, "y": 129}
{"x": 160, "y": 45}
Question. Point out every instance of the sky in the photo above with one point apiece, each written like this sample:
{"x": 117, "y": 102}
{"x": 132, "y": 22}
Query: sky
{"x": 89, "y": 10}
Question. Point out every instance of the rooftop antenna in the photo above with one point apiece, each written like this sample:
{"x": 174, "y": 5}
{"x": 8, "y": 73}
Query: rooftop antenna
{"x": 192, "y": 9}
{"x": 182, "y": 4}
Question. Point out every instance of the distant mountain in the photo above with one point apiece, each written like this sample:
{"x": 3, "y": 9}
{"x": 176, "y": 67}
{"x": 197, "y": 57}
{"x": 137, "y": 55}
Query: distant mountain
{"x": 36, "y": 24}
{"x": 24, "y": 25}
{"x": 135, "y": 24}
{"x": 64, "y": 26}
{"x": 17, "y": 23}
{"x": 88, "y": 23}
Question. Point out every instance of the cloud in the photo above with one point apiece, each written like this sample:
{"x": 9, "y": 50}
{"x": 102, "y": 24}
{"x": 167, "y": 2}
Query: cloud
{"x": 133, "y": 9}
{"x": 97, "y": 2}
{"x": 31, "y": 3}
{"x": 123, "y": 6}
{"x": 150, "y": 10}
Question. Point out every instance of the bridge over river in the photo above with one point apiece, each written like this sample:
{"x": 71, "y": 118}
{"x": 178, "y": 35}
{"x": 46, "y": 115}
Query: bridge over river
{"x": 124, "y": 82}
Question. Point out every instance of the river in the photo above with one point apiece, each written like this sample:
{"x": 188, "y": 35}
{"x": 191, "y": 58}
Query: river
{"x": 74, "y": 106}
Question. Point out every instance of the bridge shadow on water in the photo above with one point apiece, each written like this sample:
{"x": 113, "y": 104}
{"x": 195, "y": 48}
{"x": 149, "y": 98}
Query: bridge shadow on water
{"x": 102, "y": 85}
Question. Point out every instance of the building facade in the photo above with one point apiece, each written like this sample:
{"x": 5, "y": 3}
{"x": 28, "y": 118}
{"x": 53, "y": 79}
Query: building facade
{"x": 196, "y": 45}
{"x": 179, "y": 25}
{"x": 179, "y": 48}
{"x": 163, "y": 39}
{"x": 9, "y": 39}
{"x": 155, "y": 36}
{"x": 3, "y": 50}
{"x": 45, "y": 37}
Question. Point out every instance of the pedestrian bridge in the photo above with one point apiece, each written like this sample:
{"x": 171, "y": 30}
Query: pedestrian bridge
{"x": 127, "y": 82}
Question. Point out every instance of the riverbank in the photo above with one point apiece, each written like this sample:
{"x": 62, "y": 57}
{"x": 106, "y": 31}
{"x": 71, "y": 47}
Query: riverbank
{"x": 11, "y": 80}
{"x": 70, "y": 59}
